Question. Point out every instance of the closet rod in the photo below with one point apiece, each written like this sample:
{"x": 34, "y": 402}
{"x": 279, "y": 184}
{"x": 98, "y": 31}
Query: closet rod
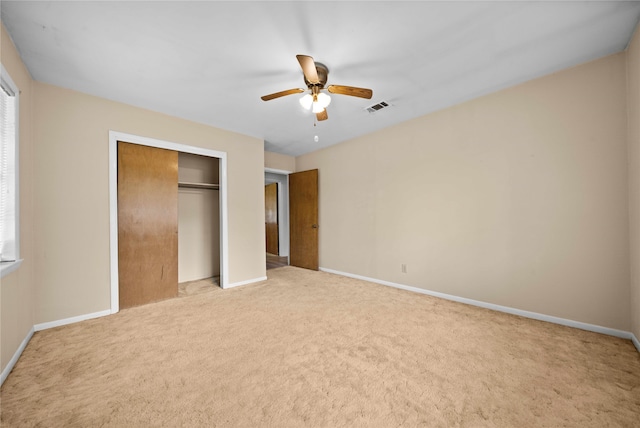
{"x": 199, "y": 185}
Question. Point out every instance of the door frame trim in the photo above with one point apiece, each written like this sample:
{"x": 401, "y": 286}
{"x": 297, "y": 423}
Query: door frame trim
{"x": 114, "y": 137}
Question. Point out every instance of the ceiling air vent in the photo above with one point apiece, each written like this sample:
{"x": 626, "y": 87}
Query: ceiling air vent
{"x": 376, "y": 107}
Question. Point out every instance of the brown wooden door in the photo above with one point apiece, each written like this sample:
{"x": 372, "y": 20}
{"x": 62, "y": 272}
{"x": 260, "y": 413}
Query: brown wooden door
{"x": 147, "y": 224}
{"x": 271, "y": 217}
{"x": 303, "y": 218}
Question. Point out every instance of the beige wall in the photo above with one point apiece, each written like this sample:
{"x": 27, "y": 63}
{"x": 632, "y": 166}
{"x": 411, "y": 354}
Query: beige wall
{"x": 633, "y": 115}
{"x": 17, "y": 290}
{"x": 280, "y": 162}
{"x": 72, "y": 204}
{"x": 518, "y": 198}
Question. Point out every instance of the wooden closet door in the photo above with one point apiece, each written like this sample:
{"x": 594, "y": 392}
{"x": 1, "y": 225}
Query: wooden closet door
{"x": 147, "y": 224}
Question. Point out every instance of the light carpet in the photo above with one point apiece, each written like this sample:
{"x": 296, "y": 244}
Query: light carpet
{"x": 314, "y": 349}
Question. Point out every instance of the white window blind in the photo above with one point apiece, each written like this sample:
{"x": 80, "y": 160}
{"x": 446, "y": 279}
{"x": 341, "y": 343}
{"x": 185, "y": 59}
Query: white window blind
{"x": 8, "y": 189}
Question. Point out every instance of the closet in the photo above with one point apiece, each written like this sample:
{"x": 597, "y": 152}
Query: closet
{"x": 198, "y": 218}
{"x": 168, "y": 222}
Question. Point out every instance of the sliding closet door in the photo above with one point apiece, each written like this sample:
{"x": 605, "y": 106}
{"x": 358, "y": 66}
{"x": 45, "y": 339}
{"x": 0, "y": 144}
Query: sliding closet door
{"x": 147, "y": 224}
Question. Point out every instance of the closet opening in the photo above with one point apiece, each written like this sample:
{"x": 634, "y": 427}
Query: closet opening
{"x": 198, "y": 223}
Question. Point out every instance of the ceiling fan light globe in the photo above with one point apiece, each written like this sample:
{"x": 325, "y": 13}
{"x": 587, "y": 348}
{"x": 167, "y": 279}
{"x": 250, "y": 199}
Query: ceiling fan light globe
{"x": 324, "y": 100}
{"x": 317, "y": 108}
{"x": 306, "y": 101}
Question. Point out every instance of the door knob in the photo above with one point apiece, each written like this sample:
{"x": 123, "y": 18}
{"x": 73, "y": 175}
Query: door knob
{"x": 315, "y": 226}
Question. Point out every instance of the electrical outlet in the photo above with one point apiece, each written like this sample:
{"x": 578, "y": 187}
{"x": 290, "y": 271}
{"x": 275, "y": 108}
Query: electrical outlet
{"x": 404, "y": 268}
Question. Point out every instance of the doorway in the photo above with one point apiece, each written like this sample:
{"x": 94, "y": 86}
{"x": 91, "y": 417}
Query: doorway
{"x": 297, "y": 195}
{"x": 276, "y": 218}
{"x": 271, "y": 218}
{"x": 114, "y": 137}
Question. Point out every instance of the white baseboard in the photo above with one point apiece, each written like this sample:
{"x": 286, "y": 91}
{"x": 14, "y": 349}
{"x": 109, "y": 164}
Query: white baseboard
{"x": 16, "y": 356}
{"x": 58, "y": 323}
{"x": 527, "y": 314}
{"x": 44, "y": 326}
{"x": 249, "y": 281}
{"x": 635, "y": 341}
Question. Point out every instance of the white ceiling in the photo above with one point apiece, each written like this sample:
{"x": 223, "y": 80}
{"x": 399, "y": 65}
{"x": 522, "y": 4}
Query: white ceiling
{"x": 211, "y": 61}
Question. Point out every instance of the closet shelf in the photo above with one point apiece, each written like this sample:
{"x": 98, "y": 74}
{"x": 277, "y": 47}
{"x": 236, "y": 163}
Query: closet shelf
{"x": 199, "y": 185}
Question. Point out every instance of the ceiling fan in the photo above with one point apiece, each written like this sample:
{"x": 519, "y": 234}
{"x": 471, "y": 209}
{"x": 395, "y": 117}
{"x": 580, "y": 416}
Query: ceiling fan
{"x": 315, "y": 77}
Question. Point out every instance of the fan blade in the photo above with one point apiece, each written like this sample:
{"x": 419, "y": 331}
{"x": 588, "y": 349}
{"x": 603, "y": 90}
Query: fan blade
{"x": 281, "y": 94}
{"x": 350, "y": 90}
{"x": 308, "y": 68}
{"x": 322, "y": 115}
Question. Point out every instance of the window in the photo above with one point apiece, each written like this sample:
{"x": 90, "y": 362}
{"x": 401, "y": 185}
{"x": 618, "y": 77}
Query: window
{"x": 9, "y": 242}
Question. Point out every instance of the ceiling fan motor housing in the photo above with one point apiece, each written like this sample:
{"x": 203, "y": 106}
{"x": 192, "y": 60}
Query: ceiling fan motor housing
{"x": 323, "y": 72}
